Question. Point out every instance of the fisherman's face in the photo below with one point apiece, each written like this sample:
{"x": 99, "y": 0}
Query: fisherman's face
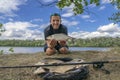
{"x": 55, "y": 22}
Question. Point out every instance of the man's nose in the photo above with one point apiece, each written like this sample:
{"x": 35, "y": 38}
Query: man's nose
{"x": 56, "y": 22}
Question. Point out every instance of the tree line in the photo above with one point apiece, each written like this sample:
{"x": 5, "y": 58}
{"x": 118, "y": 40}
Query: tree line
{"x": 93, "y": 42}
{"x": 22, "y": 43}
{"x": 97, "y": 42}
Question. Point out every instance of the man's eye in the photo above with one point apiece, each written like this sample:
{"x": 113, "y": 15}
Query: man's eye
{"x": 55, "y": 20}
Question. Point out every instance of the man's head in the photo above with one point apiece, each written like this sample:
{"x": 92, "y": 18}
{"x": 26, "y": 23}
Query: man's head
{"x": 55, "y": 20}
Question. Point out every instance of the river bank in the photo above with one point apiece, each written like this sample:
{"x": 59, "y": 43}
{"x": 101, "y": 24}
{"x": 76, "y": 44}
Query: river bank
{"x": 31, "y": 59}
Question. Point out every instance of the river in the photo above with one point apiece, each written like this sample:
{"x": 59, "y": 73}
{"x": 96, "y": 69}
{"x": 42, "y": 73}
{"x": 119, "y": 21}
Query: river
{"x": 40, "y": 49}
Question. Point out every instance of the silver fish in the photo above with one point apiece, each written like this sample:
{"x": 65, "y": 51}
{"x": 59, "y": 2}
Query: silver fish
{"x": 60, "y": 36}
{"x": 58, "y": 69}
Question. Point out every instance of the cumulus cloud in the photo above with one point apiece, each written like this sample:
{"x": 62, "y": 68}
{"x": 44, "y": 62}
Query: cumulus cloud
{"x": 91, "y": 20}
{"x": 21, "y": 30}
{"x": 110, "y": 30}
{"x": 102, "y": 8}
{"x": 36, "y": 20}
{"x": 69, "y": 23}
{"x": 18, "y": 25}
{"x": 44, "y": 26}
{"x": 79, "y": 34}
{"x": 68, "y": 11}
{"x": 8, "y": 7}
{"x": 67, "y": 14}
{"x": 85, "y": 16}
{"x": 47, "y": 0}
{"x": 106, "y": 1}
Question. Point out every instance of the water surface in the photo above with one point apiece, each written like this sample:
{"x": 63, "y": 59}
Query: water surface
{"x": 40, "y": 49}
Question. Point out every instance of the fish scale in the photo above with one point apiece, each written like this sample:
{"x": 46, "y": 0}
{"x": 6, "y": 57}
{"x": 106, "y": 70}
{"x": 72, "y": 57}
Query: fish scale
{"x": 59, "y": 37}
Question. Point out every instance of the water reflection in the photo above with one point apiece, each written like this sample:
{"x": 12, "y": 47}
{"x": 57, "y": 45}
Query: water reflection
{"x": 40, "y": 49}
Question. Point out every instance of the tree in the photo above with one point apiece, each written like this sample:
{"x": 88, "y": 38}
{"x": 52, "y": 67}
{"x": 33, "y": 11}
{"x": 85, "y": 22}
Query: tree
{"x": 1, "y": 25}
{"x": 80, "y": 6}
{"x": 1, "y": 29}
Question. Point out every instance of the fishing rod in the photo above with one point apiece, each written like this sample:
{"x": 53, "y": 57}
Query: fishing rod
{"x": 96, "y": 64}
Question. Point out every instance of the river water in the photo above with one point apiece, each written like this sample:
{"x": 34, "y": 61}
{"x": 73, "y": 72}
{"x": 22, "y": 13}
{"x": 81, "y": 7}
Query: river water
{"x": 40, "y": 49}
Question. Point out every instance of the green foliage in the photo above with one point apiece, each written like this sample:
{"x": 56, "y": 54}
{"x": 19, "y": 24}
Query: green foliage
{"x": 115, "y": 17}
{"x": 1, "y": 52}
{"x": 1, "y": 25}
{"x": 94, "y": 42}
{"x": 25, "y": 43}
{"x": 116, "y": 2}
{"x": 80, "y": 6}
{"x": 11, "y": 50}
{"x": 96, "y": 2}
{"x": 1, "y": 29}
{"x": 97, "y": 42}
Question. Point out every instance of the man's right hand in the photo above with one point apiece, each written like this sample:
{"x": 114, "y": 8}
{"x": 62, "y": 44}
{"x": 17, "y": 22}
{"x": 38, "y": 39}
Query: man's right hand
{"x": 51, "y": 43}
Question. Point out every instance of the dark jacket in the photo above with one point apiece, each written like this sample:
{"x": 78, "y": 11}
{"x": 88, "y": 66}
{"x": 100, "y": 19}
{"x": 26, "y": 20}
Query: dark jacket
{"x": 49, "y": 30}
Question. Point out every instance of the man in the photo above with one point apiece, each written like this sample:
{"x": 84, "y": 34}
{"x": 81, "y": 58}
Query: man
{"x": 55, "y": 27}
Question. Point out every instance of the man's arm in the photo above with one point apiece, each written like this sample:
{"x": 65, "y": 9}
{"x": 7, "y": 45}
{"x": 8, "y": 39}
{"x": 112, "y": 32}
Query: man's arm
{"x": 50, "y": 42}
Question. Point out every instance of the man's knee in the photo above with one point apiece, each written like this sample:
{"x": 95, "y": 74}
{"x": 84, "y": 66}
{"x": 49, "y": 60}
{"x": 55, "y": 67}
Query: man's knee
{"x": 50, "y": 51}
{"x": 63, "y": 50}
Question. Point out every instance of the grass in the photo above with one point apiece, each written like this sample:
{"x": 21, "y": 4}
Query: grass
{"x": 31, "y": 59}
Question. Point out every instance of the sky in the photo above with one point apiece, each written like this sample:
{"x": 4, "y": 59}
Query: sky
{"x": 27, "y": 19}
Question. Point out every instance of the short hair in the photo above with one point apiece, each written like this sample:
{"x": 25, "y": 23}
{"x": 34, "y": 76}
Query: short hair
{"x": 55, "y": 14}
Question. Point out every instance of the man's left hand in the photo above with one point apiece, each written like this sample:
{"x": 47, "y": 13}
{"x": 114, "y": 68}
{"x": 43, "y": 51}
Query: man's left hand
{"x": 62, "y": 42}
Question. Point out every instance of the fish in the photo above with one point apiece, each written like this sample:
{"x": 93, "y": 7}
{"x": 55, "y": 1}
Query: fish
{"x": 60, "y": 37}
{"x": 58, "y": 69}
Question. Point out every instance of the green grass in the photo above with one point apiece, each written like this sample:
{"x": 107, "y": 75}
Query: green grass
{"x": 31, "y": 59}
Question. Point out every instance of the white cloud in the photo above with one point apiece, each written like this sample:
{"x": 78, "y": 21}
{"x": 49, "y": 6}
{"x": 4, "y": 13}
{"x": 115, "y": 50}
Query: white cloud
{"x": 79, "y": 34}
{"x": 21, "y": 30}
{"x": 47, "y": 0}
{"x": 68, "y": 11}
{"x": 85, "y": 16}
{"x": 8, "y": 7}
{"x": 43, "y": 26}
{"x": 102, "y": 8}
{"x": 106, "y": 1}
{"x": 18, "y": 25}
{"x": 92, "y": 5}
{"x": 67, "y": 15}
{"x": 10, "y": 19}
{"x": 110, "y": 30}
{"x": 69, "y": 23}
{"x": 91, "y": 21}
{"x": 116, "y": 7}
{"x": 36, "y": 20}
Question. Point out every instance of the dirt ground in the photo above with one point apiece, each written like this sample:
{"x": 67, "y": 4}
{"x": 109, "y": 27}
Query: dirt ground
{"x": 31, "y": 59}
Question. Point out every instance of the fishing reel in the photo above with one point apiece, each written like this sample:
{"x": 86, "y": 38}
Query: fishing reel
{"x": 100, "y": 66}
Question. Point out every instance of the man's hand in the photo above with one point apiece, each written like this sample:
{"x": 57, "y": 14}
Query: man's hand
{"x": 62, "y": 42}
{"x": 51, "y": 43}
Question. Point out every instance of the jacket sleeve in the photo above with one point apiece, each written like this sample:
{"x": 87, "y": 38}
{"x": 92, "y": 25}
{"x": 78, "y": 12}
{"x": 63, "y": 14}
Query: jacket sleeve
{"x": 46, "y": 32}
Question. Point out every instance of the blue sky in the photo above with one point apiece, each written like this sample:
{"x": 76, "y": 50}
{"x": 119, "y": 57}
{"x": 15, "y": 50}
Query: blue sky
{"x": 26, "y": 19}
